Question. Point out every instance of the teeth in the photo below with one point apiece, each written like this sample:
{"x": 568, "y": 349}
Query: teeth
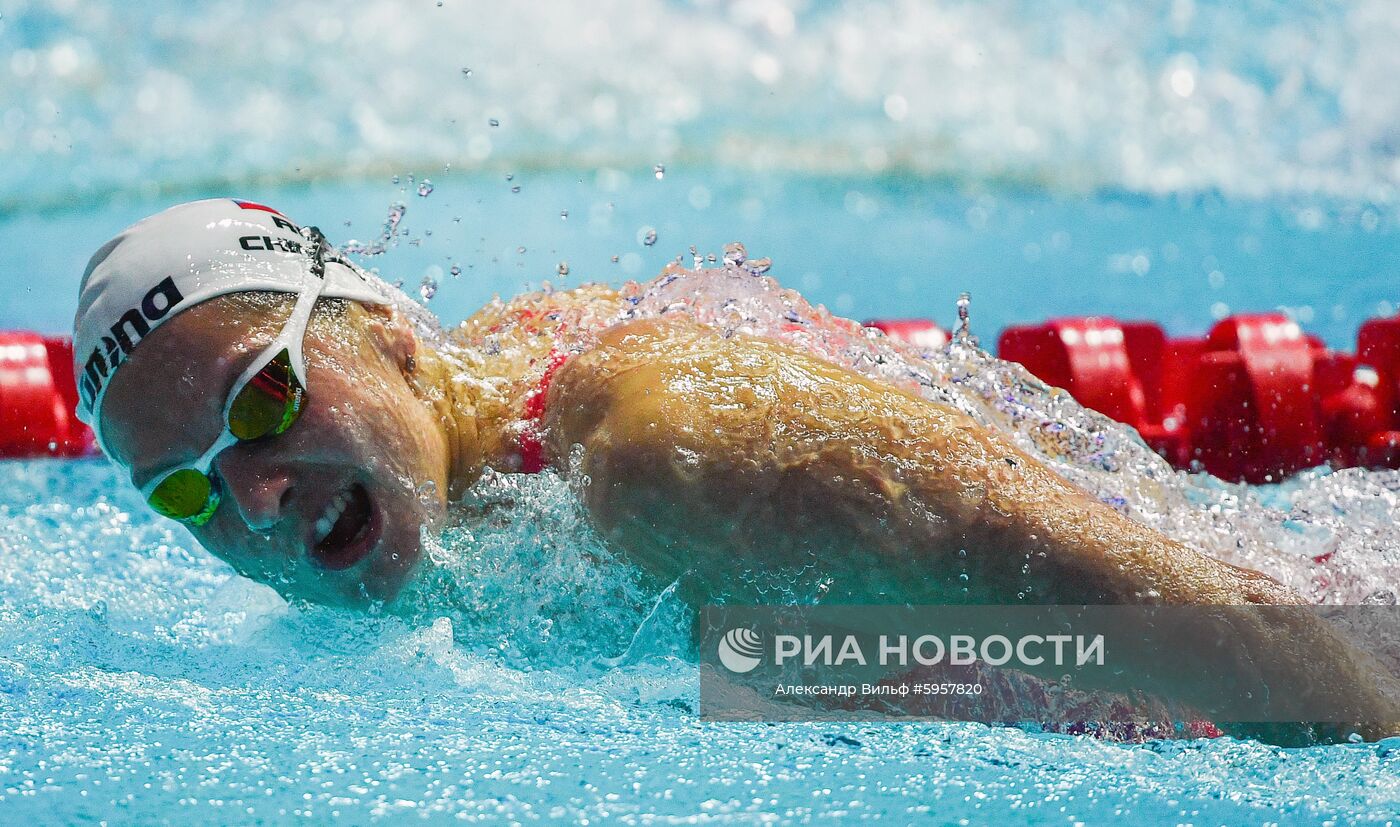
{"x": 327, "y": 520}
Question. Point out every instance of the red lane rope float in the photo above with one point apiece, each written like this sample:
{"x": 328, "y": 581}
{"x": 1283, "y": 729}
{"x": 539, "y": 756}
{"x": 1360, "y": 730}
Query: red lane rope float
{"x": 1378, "y": 345}
{"x": 1255, "y": 400}
{"x": 38, "y": 398}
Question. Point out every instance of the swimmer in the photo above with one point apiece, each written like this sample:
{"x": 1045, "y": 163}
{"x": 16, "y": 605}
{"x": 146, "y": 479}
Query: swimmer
{"x": 305, "y": 421}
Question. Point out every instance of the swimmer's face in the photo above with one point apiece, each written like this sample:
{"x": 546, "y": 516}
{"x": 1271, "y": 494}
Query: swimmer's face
{"x": 365, "y": 448}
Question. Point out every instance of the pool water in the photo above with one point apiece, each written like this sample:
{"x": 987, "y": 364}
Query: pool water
{"x": 1176, "y": 161}
{"x": 864, "y": 246}
{"x": 142, "y": 680}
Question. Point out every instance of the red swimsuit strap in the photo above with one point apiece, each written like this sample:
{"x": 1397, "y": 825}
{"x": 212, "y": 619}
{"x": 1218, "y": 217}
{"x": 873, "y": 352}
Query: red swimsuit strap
{"x": 531, "y": 441}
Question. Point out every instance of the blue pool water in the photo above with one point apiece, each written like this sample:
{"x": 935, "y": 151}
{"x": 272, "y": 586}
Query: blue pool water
{"x": 141, "y": 680}
{"x": 1175, "y": 161}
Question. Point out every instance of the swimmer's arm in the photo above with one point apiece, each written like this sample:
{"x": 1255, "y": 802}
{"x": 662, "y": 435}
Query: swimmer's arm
{"x": 707, "y": 456}
{"x": 696, "y": 441}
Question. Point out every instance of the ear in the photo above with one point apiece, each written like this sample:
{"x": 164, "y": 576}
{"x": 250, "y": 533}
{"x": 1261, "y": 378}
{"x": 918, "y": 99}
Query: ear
{"x": 392, "y": 334}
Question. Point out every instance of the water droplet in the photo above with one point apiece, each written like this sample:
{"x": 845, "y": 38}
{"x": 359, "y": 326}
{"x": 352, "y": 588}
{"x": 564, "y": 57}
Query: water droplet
{"x": 455, "y": 271}
{"x": 659, "y": 171}
{"x": 510, "y": 176}
{"x": 563, "y": 215}
{"x": 395, "y": 179}
{"x": 563, "y": 268}
{"x": 515, "y": 188}
{"x": 758, "y": 266}
{"x": 428, "y": 288}
{"x": 466, "y": 73}
{"x": 734, "y": 253}
{"x": 647, "y": 235}
{"x": 520, "y": 249}
{"x": 1382, "y": 597}
{"x": 425, "y": 188}
{"x": 615, "y": 259}
{"x": 963, "y": 334}
{"x": 494, "y": 122}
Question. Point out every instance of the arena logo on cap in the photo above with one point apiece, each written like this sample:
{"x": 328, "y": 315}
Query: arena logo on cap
{"x": 130, "y": 328}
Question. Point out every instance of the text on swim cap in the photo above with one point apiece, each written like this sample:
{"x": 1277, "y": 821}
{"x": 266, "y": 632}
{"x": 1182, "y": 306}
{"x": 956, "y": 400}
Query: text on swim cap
{"x": 131, "y": 327}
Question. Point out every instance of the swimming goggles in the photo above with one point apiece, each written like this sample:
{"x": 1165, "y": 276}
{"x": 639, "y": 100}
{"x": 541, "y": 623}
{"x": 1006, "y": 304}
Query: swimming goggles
{"x": 265, "y": 401}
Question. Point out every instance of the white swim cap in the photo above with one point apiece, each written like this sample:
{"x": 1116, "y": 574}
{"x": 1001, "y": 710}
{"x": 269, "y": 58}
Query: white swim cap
{"x": 174, "y": 260}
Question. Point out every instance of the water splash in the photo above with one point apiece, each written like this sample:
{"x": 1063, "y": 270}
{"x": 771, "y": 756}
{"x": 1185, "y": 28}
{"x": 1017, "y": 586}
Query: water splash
{"x": 388, "y": 236}
{"x": 1330, "y": 536}
{"x": 963, "y": 334}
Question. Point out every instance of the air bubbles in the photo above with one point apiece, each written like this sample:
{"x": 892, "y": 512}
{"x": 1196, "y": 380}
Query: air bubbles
{"x": 659, "y": 170}
{"x": 425, "y": 188}
{"x": 456, "y": 271}
{"x": 466, "y": 72}
{"x": 563, "y": 215}
{"x": 515, "y": 189}
{"x": 494, "y": 122}
{"x": 646, "y": 236}
{"x": 428, "y": 288}
{"x": 563, "y": 268}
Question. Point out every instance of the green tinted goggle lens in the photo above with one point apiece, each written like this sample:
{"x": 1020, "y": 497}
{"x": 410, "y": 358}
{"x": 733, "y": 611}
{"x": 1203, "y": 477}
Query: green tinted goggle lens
{"x": 269, "y": 403}
{"x": 266, "y": 406}
{"x": 186, "y": 495}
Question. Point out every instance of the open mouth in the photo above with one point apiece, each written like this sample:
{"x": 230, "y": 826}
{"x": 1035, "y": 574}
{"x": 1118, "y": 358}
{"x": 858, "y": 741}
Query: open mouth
{"x": 343, "y": 533}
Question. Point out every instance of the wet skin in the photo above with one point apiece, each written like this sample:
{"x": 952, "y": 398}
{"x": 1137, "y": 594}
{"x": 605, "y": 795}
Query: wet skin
{"x": 707, "y": 455}
{"x": 366, "y": 433}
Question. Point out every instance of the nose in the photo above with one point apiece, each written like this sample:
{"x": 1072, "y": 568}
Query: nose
{"x": 260, "y": 490}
